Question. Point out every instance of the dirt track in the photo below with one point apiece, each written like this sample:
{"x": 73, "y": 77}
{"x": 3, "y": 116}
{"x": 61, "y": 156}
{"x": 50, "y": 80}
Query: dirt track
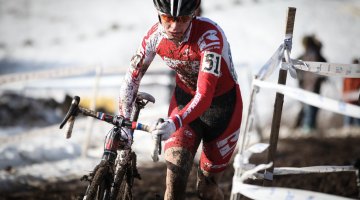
{"x": 298, "y": 152}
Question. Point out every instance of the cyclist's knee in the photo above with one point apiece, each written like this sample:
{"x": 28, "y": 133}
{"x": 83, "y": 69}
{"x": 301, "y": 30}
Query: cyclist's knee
{"x": 178, "y": 159}
{"x": 207, "y": 185}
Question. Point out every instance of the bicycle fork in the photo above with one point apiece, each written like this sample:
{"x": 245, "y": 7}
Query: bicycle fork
{"x": 117, "y": 157}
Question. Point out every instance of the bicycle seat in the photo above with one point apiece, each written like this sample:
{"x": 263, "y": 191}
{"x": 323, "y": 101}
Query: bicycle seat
{"x": 145, "y": 96}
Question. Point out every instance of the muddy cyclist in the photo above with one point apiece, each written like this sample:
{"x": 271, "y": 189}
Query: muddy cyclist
{"x": 206, "y": 104}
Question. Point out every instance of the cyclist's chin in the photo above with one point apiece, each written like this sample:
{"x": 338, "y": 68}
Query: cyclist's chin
{"x": 175, "y": 37}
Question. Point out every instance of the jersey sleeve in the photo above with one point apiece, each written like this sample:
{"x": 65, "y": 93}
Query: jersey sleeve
{"x": 210, "y": 46}
{"x": 138, "y": 66}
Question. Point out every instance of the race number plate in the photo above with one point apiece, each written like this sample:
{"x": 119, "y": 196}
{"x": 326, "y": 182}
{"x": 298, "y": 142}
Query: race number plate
{"x": 211, "y": 63}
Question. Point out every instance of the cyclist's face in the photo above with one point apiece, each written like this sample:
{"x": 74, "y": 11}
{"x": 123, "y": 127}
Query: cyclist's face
{"x": 175, "y": 29}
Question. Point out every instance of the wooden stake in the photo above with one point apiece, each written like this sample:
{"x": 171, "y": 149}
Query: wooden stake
{"x": 279, "y": 100}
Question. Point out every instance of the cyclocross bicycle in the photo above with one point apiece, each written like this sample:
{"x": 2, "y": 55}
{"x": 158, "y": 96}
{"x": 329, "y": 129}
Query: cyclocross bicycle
{"x": 113, "y": 177}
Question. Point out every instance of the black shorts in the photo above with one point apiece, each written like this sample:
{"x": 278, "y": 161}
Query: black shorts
{"x": 216, "y": 118}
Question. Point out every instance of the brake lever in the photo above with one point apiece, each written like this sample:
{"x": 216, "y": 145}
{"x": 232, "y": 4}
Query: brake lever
{"x": 73, "y": 110}
{"x": 160, "y": 120}
{"x": 156, "y": 150}
{"x": 70, "y": 127}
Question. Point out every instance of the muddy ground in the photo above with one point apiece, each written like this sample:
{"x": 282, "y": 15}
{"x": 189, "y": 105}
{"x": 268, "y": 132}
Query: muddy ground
{"x": 294, "y": 152}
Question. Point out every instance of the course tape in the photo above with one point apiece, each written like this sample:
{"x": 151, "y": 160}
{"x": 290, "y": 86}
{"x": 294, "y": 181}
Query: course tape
{"x": 312, "y": 99}
{"x": 274, "y": 193}
{"x": 63, "y": 72}
{"x": 271, "y": 64}
{"x": 311, "y": 170}
{"x": 244, "y": 158}
{"x": 55, "y": 73}
{"x": 328, "y": 69}
{"x": 279, "y": 193}
{"x": 320, "y": 68}
{"x": 242, "y": 161}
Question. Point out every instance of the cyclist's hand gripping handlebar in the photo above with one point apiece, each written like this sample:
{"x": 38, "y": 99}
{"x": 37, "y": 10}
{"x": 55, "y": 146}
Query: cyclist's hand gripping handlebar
{"x": 70, "y": 116}
{"x": 156, "y": 150}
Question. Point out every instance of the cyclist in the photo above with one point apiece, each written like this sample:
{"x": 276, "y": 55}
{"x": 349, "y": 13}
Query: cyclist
{"x": 206, "y": 104}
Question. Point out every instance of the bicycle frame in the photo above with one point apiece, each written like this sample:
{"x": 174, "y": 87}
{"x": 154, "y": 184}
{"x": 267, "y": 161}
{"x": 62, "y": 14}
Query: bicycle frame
{"x": 113, "y": 141}
{"x": 115, "y": 168}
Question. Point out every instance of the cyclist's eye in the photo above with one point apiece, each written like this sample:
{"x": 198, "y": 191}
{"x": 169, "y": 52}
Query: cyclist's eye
{"x": 170, "y": 19}
{"x": 167, "y": 18}
{"x": 184, "y": 19}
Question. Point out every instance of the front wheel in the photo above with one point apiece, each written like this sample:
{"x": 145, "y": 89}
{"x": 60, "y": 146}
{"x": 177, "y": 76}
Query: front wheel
{"x": 100, "y": 184}
{"x": 124, "y": 180}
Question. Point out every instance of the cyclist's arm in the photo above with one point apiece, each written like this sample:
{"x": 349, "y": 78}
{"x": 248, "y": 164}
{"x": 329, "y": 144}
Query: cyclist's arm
{"x": 207, "y": 80}
{"x": 209, "y": 73}
{"x": 138, "y": 66}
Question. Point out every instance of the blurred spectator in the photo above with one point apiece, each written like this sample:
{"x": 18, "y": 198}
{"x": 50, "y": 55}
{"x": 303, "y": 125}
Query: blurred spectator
{"x": 351, "y": 87}
{"x": 310, "y": 81}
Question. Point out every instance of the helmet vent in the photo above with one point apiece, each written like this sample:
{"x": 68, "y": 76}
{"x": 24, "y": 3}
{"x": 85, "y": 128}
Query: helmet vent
{"x": 175, "y": 6}
{"x": 178, "y": 7}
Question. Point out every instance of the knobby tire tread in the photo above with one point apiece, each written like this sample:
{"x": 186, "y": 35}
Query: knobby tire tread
{"x": 120, "y": 174}
{"x": 98, "y": 182}
{"x": 125, "y": 189}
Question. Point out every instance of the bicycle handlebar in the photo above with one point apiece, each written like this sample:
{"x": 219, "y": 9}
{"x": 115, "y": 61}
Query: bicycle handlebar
{"x": 116, "y": 120}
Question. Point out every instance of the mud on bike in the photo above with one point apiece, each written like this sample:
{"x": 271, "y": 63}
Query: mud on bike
{"x": 114, "y": 176}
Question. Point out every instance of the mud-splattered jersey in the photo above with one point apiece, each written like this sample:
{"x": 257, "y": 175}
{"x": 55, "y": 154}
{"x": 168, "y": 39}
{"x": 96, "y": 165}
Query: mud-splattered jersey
{"x": 202, "y": 62}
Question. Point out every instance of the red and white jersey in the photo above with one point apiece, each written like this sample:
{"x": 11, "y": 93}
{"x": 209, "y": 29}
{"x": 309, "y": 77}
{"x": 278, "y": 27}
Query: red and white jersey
{"x": 202, "y": 62}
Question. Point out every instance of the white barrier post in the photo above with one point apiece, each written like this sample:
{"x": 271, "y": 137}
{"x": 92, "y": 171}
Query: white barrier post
{"x": 279, "y": 100}
{"x": 243, "y": 137}
{"x": 89, "y": 127}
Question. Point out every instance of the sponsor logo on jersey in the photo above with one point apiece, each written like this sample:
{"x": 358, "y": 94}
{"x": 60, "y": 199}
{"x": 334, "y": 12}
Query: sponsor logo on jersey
{"x": 193, "y": 104}
{"x": 209, "y": 40}
{"x": 227, "y": 145}
{"x": 188, "y": 133}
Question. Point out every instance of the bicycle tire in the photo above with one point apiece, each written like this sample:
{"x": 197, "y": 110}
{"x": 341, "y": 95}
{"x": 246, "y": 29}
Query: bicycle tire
{"x": 124, "y": 184}
{"x": 124, "y": 191}
{"x": 119, "y": 177}
{"x": 100, "y": 185}
{"x": 103, "y": 192}
{"x": 127, "y": 186}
